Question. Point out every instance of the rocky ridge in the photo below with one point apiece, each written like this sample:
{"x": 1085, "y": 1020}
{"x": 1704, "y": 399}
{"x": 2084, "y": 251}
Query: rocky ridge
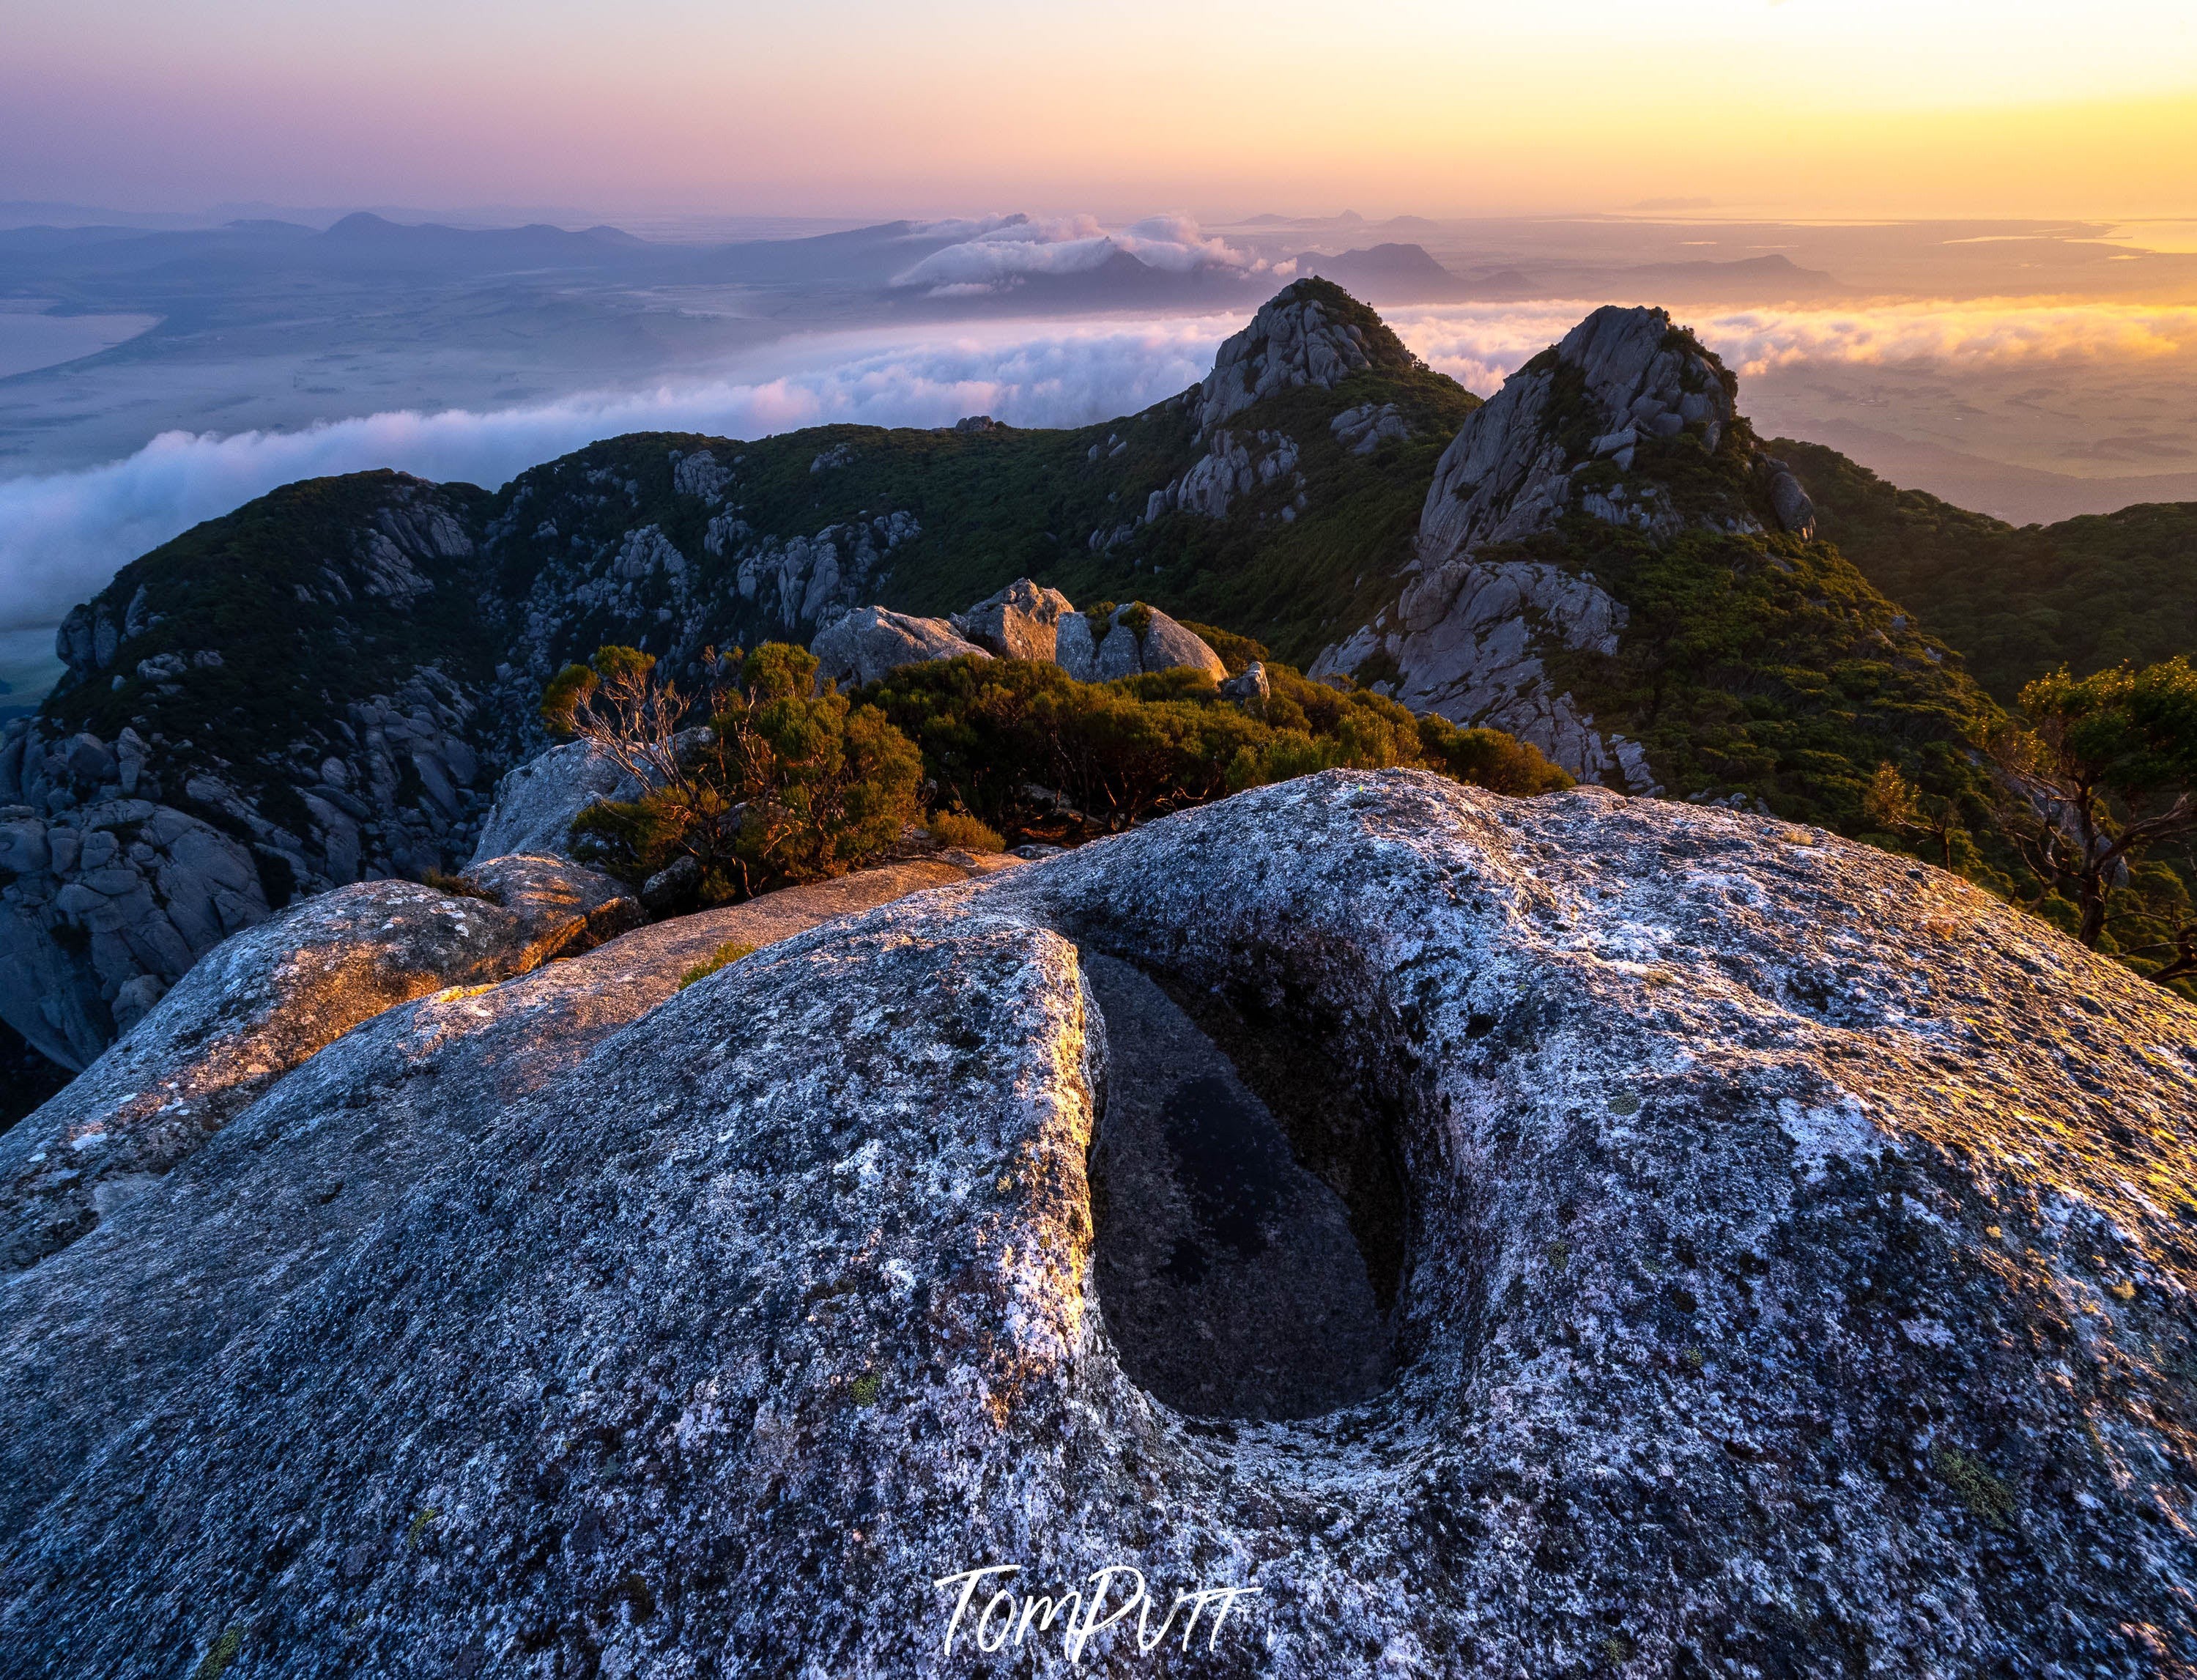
{"x": 1795, "y": 1278}
{"x": 1294, "y": 339}
{"x": 349, "y": 724}
{"x": 1467, "y": 634}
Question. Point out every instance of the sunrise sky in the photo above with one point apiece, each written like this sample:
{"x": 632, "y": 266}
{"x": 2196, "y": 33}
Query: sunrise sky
{"x": 1827, "y": 107}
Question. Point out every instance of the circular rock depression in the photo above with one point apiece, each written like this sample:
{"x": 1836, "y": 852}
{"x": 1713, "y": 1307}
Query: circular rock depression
{"x": 1229, "y": 1274}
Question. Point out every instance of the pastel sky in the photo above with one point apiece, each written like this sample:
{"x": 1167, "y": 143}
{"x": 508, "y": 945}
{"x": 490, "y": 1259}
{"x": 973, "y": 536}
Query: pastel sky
{"x": 1827, "y": 108}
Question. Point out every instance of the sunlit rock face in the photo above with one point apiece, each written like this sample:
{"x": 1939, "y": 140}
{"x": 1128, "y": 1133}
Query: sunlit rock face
{"x": 261, "y": 1003}
{"x": 1787, "y": 1271}
{"x": 1130, "y": 641}
{"x": 1021, "y": 622}
{"x": 872, "y": 642}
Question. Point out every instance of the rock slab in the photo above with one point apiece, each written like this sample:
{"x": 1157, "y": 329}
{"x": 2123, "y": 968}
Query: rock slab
{"x": 1796, "y": 1281}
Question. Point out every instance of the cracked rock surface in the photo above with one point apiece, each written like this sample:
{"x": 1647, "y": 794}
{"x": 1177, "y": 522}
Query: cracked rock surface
{"x": 1794, "y": 1280}
{"x": 253, "y": 1219}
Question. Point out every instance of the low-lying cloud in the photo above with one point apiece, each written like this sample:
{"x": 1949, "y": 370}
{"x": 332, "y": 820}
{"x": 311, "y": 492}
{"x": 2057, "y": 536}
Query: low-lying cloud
{"x": 1478, "y": 344}
{"x": 999, "y": 253}
{"x": 62, "y": 535}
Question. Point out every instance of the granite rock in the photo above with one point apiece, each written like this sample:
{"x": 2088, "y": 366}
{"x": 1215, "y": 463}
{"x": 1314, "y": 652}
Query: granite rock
{"x": 1790, "y": 1269}
{"x": 534, "y": 804}
{"x": 871, "y": 641}
{"x": 262, "y": 1001}
{"x": 1294, "y": 340}
{"x": 1021, "y": 621}
{"x": 1132, "y": 640}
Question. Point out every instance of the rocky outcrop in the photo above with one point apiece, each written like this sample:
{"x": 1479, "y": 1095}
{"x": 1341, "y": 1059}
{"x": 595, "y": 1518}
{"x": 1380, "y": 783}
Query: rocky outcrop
{"x": 1024, "y": 620}
{"x": 870, "y": 642}
{"x": 434, "y": 1074}
{"x": 1470, "y": 633}
{"x": 1779, "y": 1246}
{"x": 1298, "y": 337}
{"x": 1234, "y": 465}
{"x": 812, "y": 579}
{"x": 131, "y": 859}
{"x": 103, "y": 908}
{"x": 1364, "y": 428}
{"x": 179, "y": 789}
{"x": 260, "y": 1003}
{"x": 1021, "y": 621}
{"x": 1130, "y": 641}
{"x": 535, "y": 803}
{"x": 1467, "y": 640}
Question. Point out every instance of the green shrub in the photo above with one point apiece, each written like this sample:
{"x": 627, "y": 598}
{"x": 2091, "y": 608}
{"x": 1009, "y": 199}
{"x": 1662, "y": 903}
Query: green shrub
{"x": 958, "y": 829}
{"x": 784, "y": 785}
{"x": 1027, "y": 750}
{"x": 1978, "y": 1488}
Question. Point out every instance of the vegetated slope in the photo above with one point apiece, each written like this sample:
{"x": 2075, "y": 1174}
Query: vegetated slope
{"x": 1767, "y": 672}
{"x": 1286, "y": 544}
{"x": 1611, "y": 567}
{"x": 328, "y": 637}
{"x": 2017, "y": 601}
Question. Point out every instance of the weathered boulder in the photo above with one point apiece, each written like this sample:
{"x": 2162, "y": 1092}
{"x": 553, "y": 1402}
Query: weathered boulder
{"x": 260, "y": 1003}
{"x": 1795, "y": 511}
{"x": 536, "y": 803}
{"x": 1021, "y": 622}
{"x": 1787, "y": 1243}
{"x": 339, "y": 1141}
{"x": 1129, "y": 641}
{"x": 1250, "y": 685}
{"x": 563, "y": 908}
{"x": 871, "y": 641}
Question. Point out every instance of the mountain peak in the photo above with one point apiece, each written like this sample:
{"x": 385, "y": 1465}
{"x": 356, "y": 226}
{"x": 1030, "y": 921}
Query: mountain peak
{"x": 1624, "y": 382}
{"x": 1312, "y": 332}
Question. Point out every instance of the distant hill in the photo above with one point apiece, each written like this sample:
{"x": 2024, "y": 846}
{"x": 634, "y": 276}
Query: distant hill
{"x": 2022, "y": 495}
{"x": 1773, "y": 279}
{"x": 1386, "y": 273}
{"x": 2090, "y": 592}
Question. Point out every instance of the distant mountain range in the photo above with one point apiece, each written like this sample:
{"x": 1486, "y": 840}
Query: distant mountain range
{"x": 106, "y": 259}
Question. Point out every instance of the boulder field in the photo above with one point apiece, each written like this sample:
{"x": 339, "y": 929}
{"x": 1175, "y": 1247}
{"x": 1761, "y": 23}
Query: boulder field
{"x": 1757, "y": 1254}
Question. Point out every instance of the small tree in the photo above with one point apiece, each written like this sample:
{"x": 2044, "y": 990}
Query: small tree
{"x": 2096, "y": 775}
{"x": 615, "y": 704}
{"x": 1897, "y": 806}
{"x": 822, "y": 783}
{"x": 782, "y": 784}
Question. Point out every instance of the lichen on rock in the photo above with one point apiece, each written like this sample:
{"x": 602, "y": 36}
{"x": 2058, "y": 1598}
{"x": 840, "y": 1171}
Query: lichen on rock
{"x": 1795, "y": 1278}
